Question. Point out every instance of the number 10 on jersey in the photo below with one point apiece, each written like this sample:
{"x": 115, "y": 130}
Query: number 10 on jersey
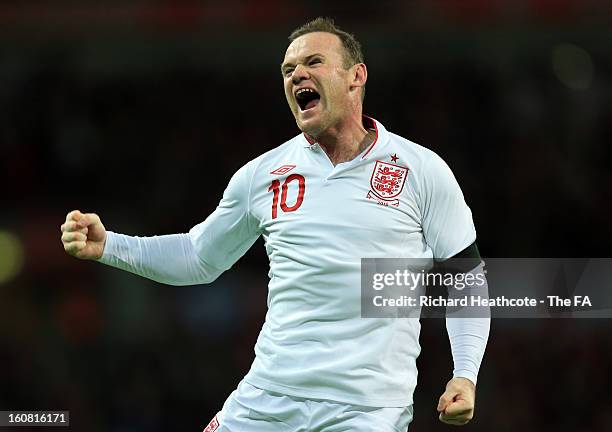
{"x": 276, "y": 185}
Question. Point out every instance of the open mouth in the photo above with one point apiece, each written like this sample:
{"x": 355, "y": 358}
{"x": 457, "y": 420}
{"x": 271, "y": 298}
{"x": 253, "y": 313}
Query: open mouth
{"x": 307, "y": 98}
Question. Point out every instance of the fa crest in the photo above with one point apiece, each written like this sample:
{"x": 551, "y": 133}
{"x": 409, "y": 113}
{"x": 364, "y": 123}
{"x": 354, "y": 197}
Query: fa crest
{"x": 387, "y": 182}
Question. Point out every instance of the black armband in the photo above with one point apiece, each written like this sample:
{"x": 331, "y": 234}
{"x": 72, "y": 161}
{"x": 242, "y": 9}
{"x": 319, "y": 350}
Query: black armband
{"x": 463, "y": 262}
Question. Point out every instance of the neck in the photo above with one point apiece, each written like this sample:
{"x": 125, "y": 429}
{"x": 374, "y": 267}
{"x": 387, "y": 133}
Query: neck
{"x": 345, "y": 140}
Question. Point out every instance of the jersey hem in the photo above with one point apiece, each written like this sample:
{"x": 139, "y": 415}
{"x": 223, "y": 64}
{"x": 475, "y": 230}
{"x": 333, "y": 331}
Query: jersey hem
{"x": 326, "y": 396}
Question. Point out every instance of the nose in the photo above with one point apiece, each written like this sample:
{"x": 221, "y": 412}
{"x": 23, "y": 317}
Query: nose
{"x": 299, "y": 73}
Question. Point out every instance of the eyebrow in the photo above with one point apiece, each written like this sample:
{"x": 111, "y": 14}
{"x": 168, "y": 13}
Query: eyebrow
{"x": 308, "y": 57}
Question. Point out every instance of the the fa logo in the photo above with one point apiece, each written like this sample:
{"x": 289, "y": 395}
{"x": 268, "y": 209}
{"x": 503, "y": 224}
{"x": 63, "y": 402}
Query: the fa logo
{"x": 387, "y": 182}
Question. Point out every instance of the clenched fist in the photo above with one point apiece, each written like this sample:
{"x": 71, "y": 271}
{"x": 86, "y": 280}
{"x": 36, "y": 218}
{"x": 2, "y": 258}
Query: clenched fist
{"x": 83, "y": 235}
{"x": 456, "y": 405}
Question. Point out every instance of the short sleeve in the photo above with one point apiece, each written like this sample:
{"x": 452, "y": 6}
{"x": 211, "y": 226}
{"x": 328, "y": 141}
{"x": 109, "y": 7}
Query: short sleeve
{"x": 446, "y": 219}
{"x": 230, "y": 230}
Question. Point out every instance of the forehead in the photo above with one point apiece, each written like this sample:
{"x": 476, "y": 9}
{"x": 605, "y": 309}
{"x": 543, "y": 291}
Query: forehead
{"x": 324, "y": 43}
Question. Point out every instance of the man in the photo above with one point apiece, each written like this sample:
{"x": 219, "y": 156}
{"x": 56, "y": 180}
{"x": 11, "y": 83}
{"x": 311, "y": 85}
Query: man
{"x": 344, "y": 189}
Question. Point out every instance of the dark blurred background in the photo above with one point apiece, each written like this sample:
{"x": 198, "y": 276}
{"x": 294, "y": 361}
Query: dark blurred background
{"x": 141, "y": 111}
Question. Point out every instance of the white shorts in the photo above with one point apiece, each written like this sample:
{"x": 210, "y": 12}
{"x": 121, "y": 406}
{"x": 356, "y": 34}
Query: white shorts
{"x": 250, "y": 409}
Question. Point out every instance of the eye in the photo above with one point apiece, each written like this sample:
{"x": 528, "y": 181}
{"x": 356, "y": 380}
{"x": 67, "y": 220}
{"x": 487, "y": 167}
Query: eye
{"x": 315, "y": 61}
{"x": 288, "y": 72}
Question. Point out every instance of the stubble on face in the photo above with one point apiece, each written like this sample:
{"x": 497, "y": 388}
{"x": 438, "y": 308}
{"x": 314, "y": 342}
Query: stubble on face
{"x": 316, "y": 61}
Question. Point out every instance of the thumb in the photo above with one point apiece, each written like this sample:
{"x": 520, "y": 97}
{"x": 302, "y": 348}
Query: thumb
{"x": 460, "y": 406}
{"x": 74, "y": 215}
{"x": 87, "y": 219}
{"x": 447, "y": 398}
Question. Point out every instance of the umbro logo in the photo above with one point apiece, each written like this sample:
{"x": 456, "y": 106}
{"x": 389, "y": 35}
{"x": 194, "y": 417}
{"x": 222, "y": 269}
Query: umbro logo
{"x": 283, "y": 169}
{"x": 212, "y": 426}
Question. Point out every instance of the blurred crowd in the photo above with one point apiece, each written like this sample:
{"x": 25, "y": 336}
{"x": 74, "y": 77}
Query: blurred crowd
{"x": 146, "y": 128}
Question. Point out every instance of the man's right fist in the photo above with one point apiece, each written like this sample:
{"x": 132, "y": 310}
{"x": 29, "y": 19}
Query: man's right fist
{"x": 83, "y": 235}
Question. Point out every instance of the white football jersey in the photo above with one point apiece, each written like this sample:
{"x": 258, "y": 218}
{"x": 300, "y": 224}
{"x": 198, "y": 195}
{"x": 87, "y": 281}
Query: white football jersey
{"x": 396, "y": 199}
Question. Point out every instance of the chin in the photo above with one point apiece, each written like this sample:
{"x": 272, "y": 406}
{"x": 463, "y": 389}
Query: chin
{"x": 312, "y": 127}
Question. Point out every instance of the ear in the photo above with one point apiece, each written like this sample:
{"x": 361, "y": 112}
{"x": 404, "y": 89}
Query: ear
{"x": 359, "y": 75}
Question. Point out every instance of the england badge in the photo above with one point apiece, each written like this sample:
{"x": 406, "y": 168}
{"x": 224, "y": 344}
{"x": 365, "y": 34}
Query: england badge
{"x": 387, "y": 182}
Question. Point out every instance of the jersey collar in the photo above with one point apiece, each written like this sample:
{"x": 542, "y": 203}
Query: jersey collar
{"x": 368, "y": 123}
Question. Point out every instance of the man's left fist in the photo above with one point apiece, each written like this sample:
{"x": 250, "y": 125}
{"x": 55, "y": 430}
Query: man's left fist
{"x": 456, "y": 405}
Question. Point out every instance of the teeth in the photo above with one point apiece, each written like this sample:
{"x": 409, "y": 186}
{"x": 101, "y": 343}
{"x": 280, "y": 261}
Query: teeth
{"x": 300, "y": 91}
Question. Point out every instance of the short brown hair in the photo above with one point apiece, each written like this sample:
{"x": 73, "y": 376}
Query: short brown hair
{"x": 352, "y": 48}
